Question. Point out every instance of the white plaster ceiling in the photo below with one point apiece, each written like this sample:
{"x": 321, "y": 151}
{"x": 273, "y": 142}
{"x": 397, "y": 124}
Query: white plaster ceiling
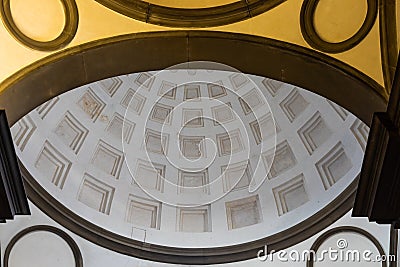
{"x": 73, "y": 145}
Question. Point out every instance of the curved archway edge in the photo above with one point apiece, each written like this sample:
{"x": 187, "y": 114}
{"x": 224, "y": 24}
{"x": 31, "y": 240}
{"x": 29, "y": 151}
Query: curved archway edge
{"x": 131, "y": 53}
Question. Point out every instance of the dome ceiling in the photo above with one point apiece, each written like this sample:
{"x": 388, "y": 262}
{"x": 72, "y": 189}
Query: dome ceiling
{"x": 192, "y": 158}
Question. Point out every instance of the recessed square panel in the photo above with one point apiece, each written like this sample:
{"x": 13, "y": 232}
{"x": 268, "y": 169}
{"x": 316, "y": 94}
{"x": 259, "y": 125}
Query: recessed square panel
{"x": 111, "y": 85}
{"x": 192, "y": 91}
{"x": 150, "y": 175}
{"x": 238, "y": 80}
{"x": 161, "y": 113}
{"x": 343, "y": 113}
{"x": 284, "y": 159}
{"x": 360, "y": 132}
{"x": 294, "y": 105}
{"x": 145, "y": 80}
{"x": 334, "y": 166}
{"x": 71, "y": 132}
{"x": 193, "y": 182}
{"x": 314, "y": 133}
{"x": 236, "y": 176}
{"x": 192, "y": 147}
{"x": 119, "y": 124}
{"x": 272, "y": 86}
{"x": 230, "y": 143}
{"x": 192, "y": 117}
{"x": 264, "y": 128}
{"x": 216, "y": 89}
{"x": 91, "y": 104}
{"x": 251, "y": 101}
{"x": 194, "y": 220}
{"x": 53, "y": 165}
{"x": 154, "y": 143}
{"x": 167, "y": 90}
{"x": 134, "y": 101}
{"x": 143, "y": 212}
{"x": 108, "y": 159}
{"x": 22, "y": 131}
{"x": 290, "y": 195}
{"x": 44, "y": 108}
{"x": 222, "y": 113}
{"x": 96, "y": 194}
{"x": 243, "y": 212}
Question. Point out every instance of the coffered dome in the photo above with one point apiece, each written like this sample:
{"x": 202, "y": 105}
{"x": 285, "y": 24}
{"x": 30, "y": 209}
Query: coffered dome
{"x": 192, "y": 158}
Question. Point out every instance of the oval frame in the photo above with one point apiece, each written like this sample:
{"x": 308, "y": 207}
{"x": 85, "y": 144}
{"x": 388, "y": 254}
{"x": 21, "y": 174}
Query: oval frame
{"x": 45, "y": 228}
{"x": 312, "y": 37}
{"x": 66, "y": 36}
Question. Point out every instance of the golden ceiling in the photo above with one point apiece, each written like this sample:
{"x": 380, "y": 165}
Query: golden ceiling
{"x": 359, "y": 33}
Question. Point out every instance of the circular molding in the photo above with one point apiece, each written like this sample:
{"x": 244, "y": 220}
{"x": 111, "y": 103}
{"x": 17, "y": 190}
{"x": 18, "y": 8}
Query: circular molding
{"x": 303, "y": 67}
{"x": 190, "y": 17}
{"x": 66, "y": 36}
{"x": 343, "y": 229}
{"x": 45, "y": 228}
{"x": 312, "y": 37}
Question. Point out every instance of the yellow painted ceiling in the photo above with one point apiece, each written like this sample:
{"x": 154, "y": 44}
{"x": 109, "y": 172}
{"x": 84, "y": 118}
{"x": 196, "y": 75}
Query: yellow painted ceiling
{"x": 335, "y": 20}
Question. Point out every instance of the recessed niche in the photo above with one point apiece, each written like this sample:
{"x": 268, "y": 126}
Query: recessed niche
{"x": 238, "y": 80}
{"x": 243, "y": 212}
{"x": 167, "y": 90}
{"x": 91, "y": 104}
{"x": 111, "y": 85}
{"x": 334, "y": 166}
{"x": 143, "y": 212}
{"x": 155, "y": 143}
{"x": 161, "y": 113}
{"x": 108, "y": 159}
{"x": 119, "y": 123}
{"x": 236, "y": 176}
{"x": 192, "y": 117}
{"x": 191, "y": 92}
{"x": 314, "y": 133}
{"x": 71, "y": 132}
{"x": 96, "y": 194}
{"x": 53, "y": 165}
{"x": 282, "y": 159}
{"x": 294, "y": 105}
{"x": 192, "y": 147}
{"x": 230, "y": 143}
{"x": 194, "y": 220}
{"x": 150, "y": 175}
{"x": 264, "y": 128}
{"x": 216, "y": 89}
{"x": 145, "y": 80}
{"x": 290, "y": 195}
{"x": 193, "y": 182}
{"x": 134, "y": 101}
{"x": 22, "y": 131}
{"x": 251, "y": 101}
{"x": 222, "y": 113}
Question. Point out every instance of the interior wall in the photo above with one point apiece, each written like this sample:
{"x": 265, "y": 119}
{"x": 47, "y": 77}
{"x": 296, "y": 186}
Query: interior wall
{"x": 95, "y": 256}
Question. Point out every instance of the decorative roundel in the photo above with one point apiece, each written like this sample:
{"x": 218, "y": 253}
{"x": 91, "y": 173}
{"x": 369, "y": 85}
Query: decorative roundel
{"x": 40, "y": 245}
{"x": 312, "y": 37}
{"x": 65, "y": 37}
{"x": 191, "y": 160}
